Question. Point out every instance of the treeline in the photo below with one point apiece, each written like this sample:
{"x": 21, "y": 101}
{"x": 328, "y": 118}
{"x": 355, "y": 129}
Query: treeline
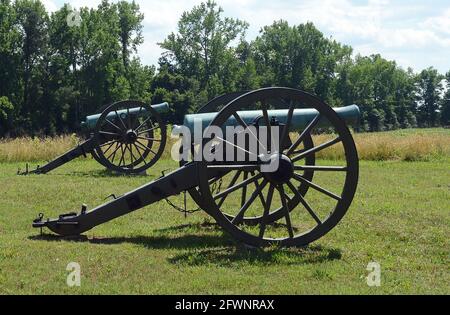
{"x": 56, "y": 70}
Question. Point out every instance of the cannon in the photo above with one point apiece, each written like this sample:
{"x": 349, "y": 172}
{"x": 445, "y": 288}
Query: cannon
{"x": 294, "y": 204}
{"x": 126, "y": 137}
{"x": 122, "y": 148}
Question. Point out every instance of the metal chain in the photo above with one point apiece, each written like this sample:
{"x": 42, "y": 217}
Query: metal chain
{"x": 182, "y": 210}
{"x": 215, "y": 189}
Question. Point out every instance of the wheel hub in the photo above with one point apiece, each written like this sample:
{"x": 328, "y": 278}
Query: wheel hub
{"x": 131, "y": 136}
{"x": 284, "y": 171}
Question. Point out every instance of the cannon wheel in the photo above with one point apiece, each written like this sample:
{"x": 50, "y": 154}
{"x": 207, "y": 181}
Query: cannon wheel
{"x": 276, "y": 215}
{"x": 215, "y": 105}
{"x": 94, "y": 151}
{"x": 132, "y": 143}
{"x": 279, "y": 192}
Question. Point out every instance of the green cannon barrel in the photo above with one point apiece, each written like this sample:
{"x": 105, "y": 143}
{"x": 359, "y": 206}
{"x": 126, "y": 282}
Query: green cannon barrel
{"x": 91, "y": 121}
{"x": 300, "y": 119}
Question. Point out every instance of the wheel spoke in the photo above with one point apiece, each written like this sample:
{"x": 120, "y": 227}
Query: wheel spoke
{"x": 115, "y": 151}
{"x": 233, "y": 181}
{"x": 145, "y": 146}
{"x": 113, "y": 155}
{"x": 127, "y": 148}
{"x": 107, "y": 143}
{"x": 109, "y": 133}
{"x": 136, "y": 119}
{"x": 244, "y": 190}
{"x": 138, "y": 145}
{"x": 316, "y": 187}
{"x": 320, "y": 168}
{"x": 269, "y": 129}
{"x": 238, "y": 186}
{"x": 237, "y": 147}
{"x": 109, "y": 148}
{"x": 149, "y": 139}
{"x": 143, "y": 123}
{"x": 132, "y": 157}
{"x": 285, "y": 134}
{"x": 231, "y": 167}
{"x": 145, "y": 131}
{"x": 113, "y": 124}
{"x": 261, "y": 196}
{"x": 122, "y": 157}
{"x": 120, "y": 118}
{"x": 286, "y": 210}
{"x": 305, "y": 132}
{"x": 316, "y": 149}
{"x": 238, "y": 218}
{"x": 262, "y": 227}
{"x": 140, "y": 154}
{"x": 304, "y": 203}
{"x": 243, "y": 124}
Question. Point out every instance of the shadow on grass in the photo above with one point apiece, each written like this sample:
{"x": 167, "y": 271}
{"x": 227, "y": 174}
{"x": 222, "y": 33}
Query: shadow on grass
{"x": 200, "y": 235}
{"x": 206, "y": 244}
{"x": 236, "y": 256}
{"x": 104, "y": 173}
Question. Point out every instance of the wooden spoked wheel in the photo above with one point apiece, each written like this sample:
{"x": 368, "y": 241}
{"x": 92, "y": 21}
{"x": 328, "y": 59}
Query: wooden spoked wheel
{"x": 130, "y": 137}
{"x": 94, "y": 151}
{"x": 242, "y": 175}
{"x": 218, "y": 104}
{"x": 285, "y": 214}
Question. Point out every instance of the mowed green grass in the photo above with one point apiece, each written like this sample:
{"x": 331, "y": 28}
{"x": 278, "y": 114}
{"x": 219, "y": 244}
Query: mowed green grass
{"x": 400, "y": 218}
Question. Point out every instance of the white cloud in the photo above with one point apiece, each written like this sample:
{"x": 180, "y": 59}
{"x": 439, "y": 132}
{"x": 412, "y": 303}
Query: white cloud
{"x": 440, "y": 24}
{"x": 50, "y": 5}
{"x": 397, "y": 29}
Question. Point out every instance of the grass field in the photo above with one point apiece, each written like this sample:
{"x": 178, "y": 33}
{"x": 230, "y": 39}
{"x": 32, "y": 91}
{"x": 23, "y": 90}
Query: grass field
{"x": 400, "y": 145}
{"x": 400, "y": 218}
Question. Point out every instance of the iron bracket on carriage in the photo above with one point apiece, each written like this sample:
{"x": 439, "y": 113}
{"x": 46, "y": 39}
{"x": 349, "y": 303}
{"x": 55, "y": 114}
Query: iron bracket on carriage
{"x": 292, "y": 205}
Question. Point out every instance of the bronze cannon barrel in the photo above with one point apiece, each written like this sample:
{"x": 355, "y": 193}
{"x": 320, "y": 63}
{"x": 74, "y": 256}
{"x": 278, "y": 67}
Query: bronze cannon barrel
{"x": 300, "y": 120}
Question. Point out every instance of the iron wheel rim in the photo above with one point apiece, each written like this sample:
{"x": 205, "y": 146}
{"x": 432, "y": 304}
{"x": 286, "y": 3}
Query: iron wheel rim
{"x": 348, "y": 190}
{"x": 140, "y": 149}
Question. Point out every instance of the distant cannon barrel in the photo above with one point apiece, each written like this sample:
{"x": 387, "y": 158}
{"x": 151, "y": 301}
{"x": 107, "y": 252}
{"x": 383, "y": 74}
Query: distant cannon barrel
{"x": 114, "y": 132}
{"x": 91, "y": 121}
{"x": 300, "y": 120}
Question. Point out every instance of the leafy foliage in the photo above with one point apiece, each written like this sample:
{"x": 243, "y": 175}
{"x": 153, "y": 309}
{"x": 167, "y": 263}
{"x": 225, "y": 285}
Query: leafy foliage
{"x": 54, "y": 74}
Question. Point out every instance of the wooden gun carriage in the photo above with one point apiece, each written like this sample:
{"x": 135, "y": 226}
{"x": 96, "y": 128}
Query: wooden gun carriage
{"x": 284, "y": 206}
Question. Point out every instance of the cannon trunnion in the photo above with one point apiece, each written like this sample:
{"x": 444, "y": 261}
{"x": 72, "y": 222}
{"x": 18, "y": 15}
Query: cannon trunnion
{"x": 288, "y": 195}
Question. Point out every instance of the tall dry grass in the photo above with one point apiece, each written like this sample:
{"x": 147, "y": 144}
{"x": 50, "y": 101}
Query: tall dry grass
{"x": 386, "y": 146}
{"x": 35, "y": 149}
{"x": 411, "y": 145}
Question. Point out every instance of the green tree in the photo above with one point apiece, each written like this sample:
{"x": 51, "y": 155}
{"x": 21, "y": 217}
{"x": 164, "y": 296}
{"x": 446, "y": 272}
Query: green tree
{"x": 445, "y": 108}
{"x": 130, "y": 29}
{"x": 300, "y": 57}
{"x": 429, "y": 92}
{"x": 6, "y": 110}
{"x": 9, "y": 52}
{"x": 201, "y": 48}
{"x": 385, "y": 92}
{"x": 182, "y": 93}
{"x": 64, "y": 79}
{"x": 32, "y": 21}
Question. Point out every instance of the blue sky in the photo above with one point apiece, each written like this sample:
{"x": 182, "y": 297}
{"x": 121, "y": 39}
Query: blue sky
{"x": 414, "y": 33}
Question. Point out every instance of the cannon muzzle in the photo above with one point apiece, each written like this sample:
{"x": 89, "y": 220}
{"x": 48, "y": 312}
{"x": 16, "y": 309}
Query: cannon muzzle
{"x": 91, "y": 121}
{"x": 300, "y": 120}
